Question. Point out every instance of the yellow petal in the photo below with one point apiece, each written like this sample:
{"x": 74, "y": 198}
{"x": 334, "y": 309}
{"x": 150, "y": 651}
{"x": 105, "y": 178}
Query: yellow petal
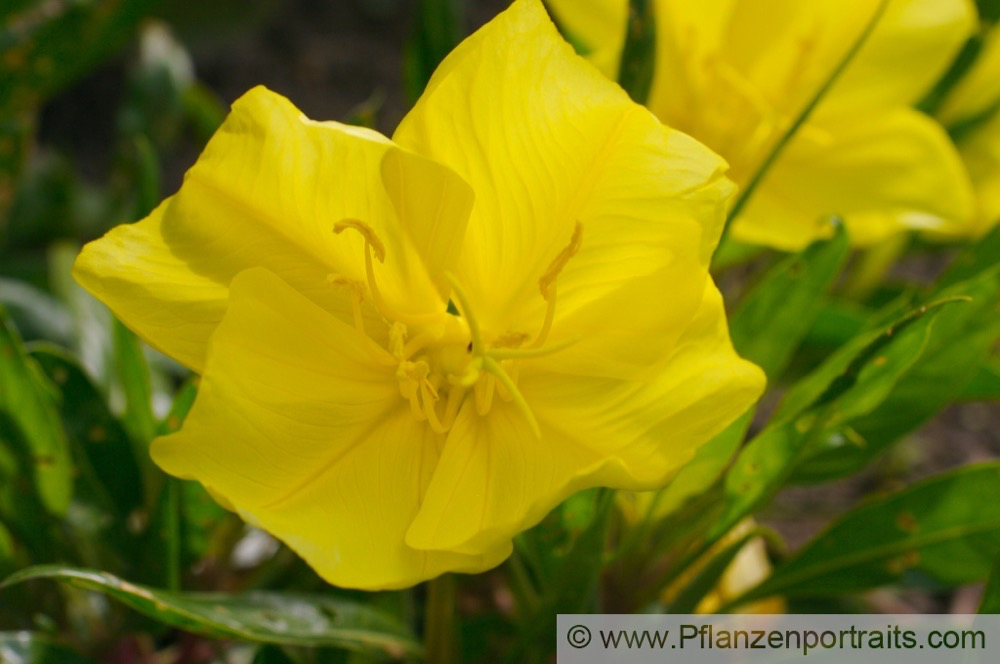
{"x": 305, "y": 435}
{"x": 596, "y": 25}
{"x": 909, "y": 50}
{"x": 267, "y": 192}
{"x": 625, "y": 333}
{"x": 785, "y": 49}
{"x": 890, "y": 173}
{"x": 495, "y": 478}
{"x": 981, "y": 152}
{"x": 546, "y": 143}
{"x": 979, "y": 90}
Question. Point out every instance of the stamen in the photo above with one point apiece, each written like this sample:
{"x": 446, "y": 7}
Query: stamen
{"x": 547, "y": 282}
{"x": 430, "y": 399}
{"x": 371, "y": 238}
{"x": 357, "y": 294}
{"x": 548, "y": 279}
{"x": 373, "y": 245}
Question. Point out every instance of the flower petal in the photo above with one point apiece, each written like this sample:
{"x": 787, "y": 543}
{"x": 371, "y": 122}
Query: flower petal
{"x": 978, "y": 91}
{"x": 596, "y": 25}
{"x": 305, "y": 435}
{"x": 786, "y": 49}
{"x": 909, "y": 50}
{"x": 267, "y": 192}
{"x": 495, "y": 479}
{"x": 893, "y": 172}
{"x": 981, "y": 152}
{"x": 546, "y": 142}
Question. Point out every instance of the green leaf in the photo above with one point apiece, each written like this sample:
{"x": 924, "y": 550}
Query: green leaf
{"x": 635, "y": 74}
{"x": 985, "y": 385}
{"x": 773, "y": 318}
{"x": 264, "y": 617}
{"x": 34, "y": 648}
{"x": 92, "y": 320}
{"x": 36, "y": 314}
{"x": 133, "y": 373}
{"x": 571, "y": 586}
{"x": 28, "y": 522}
{"x": 6, "y": 550}
{"x": 947, "y": 527}
{"x": 990, "y": 602}
{"x": 44, "y": 46}
{"x": 849, "y": 385}
{"x": 438, "y": 31}
{"x": 28, "y": 402}
{"x": 95, "y": 432}
{"x": 976, "y": 259}
{"x": 179, "y": 409}
{"x": 706, "y": 466}
{"x": 960, "y": 343}
{"x": 865, "y": 353}
{"x": 16, "y": 133}
{"x": 989, "y": 10}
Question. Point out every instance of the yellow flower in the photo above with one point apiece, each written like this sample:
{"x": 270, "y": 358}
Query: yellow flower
{"x": 305, "y": 269}
{"x": 748, "y": 568}
{"x": 736, "y": 73}
{"x": 975, "y": 101}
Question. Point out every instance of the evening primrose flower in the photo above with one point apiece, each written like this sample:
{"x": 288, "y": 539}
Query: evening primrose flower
{"x": 411, "y": 350}
{"x": 972, "y": 111}
{"x": 736, "y": 73}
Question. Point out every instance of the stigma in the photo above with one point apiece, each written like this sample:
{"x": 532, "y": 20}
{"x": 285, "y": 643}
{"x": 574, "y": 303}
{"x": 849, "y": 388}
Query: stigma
{"x": 440, "y": 360}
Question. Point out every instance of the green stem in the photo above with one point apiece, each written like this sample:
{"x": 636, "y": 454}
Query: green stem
{"x": 172, "y": 531}
{"x": 803, "y": 116}
{"x": 439, "y": 627}
{"x": 635, "y": 73}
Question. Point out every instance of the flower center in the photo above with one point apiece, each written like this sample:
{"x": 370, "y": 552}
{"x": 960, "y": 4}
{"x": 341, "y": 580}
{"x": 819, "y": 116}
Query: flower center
{"x": 734, "y": 115}
{"x": 441, "y": 359}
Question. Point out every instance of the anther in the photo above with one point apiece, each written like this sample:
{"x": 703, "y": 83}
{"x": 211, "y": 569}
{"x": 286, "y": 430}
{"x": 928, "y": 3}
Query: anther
{"x": 547, "y": 282}
{"x": 371, "y": 238}
{"x": 357, "y": 294}
{"x": 373, "y": 245}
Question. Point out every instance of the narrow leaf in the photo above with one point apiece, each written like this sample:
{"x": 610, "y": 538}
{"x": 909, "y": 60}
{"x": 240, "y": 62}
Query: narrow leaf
{"x": 133, "y": 373}
{"x": 94, "y": 431}
{"x": 28, "y": 402}
{"x": 960, "y": 342}
{"x": 773, "y": 318}
{"x": 438, "y": 31}
{"x": 635, "y": 74}
{"x": 947, "y": 527}
{"x": 264, "y": 617}
{"x": 991, "y": 593}
{"x": 850, "y": 385}
{"x": 35, "y": 648}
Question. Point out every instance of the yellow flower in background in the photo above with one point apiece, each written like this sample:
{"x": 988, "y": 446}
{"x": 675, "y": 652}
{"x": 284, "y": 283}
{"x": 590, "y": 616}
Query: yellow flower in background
{"x": 736, "y": 73}
{"x": 747, "y": 569}
{"x": 972, "y": 108}
{"x": 411, "y": 350}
